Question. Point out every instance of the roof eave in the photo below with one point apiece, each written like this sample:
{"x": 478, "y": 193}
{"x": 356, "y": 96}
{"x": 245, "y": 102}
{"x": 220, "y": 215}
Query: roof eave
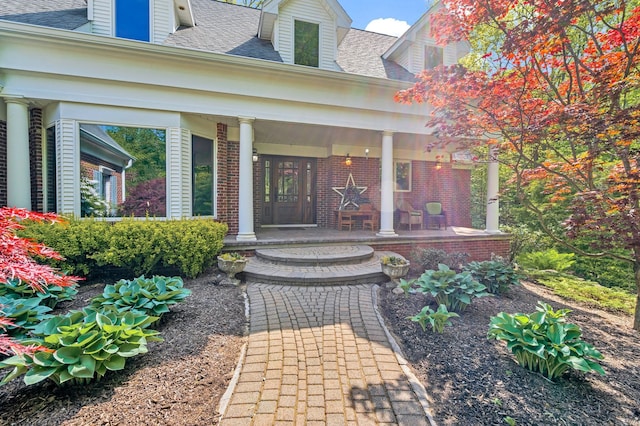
{"x": 27, "y": 31}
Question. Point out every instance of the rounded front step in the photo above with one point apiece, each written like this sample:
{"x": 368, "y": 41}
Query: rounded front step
{"x": 317, "y": 256}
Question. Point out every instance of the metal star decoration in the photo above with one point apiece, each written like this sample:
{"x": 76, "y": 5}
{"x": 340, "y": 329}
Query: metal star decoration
{"x": 351, "y": 193}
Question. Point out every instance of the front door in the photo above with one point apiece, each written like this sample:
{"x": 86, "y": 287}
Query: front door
{"x": 289, "y": 185}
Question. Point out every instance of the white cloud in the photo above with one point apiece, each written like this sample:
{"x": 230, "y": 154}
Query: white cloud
{"x": 388, "y": 26}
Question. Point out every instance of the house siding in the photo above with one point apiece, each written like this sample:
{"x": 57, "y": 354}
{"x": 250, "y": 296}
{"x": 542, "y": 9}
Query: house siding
{"x": 3, "y": 163}
{"x": 310, "y": 11}
{"x": 162, "y": 24}
{"x": 68, "y": 166}
{"x": 102, "y": 17}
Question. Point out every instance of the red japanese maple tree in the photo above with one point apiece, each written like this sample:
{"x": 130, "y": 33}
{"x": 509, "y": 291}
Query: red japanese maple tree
{"x": 556, "y": 87}
{"x": 17, "y": 262}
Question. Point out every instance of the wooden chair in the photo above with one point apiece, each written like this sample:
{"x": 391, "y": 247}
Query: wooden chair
{"x": 373, "y": 221}
{"x": 435, "y": 214}
{"x": 410, "y": 216}
{"x": 346, "y": 220}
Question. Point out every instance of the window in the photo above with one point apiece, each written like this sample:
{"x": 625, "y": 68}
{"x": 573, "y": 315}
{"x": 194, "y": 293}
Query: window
{"x": 202, "y": 152}
{"x": 306, "y": 43}
{"x": 433, "y": 57}
{"x": 402, "y": 172}
{"x": 132, "y": 19}
{"x": 122, "y": 171}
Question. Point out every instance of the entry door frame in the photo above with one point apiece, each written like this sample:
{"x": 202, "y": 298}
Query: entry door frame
{"x": 295, "y": 204}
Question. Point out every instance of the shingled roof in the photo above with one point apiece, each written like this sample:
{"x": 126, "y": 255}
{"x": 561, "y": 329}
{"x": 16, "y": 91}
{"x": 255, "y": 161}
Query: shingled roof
{"x": 63, "y": 14}
{"x": 221, "y": 28}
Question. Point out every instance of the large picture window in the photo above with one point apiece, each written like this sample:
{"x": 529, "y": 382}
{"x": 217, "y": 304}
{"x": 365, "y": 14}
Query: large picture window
{"x": 202, "y": 151}
{"x": 306, "y": 43}
{"x": 122, "y": 171}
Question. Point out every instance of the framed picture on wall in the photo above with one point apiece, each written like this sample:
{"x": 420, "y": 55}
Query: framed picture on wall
{"x": 402, "y": 175}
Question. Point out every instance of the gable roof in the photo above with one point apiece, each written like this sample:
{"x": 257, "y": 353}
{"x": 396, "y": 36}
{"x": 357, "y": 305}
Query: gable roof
{"x": 63, "y": 14}
{"x": 223, "y": 28}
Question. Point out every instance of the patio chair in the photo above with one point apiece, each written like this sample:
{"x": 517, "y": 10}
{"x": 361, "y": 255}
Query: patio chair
{"x": 435, "y": 214}
{"x": 409, "y": 216}
{"x": 373, "y": 221}
{"x": 346, "y": 220}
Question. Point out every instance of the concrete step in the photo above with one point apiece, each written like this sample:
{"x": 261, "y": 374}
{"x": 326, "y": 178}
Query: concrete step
{"x": 317, "y": 256}
{"x": 307, "y": 266}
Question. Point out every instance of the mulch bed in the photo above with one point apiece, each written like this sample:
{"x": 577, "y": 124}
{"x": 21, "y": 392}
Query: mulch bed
{"x": 475, "y": 381}
{"x": 179, "y": 382}
{"x": 470, "y": 380}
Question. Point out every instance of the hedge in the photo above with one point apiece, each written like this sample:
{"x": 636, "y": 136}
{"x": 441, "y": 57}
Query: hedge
{"x": 137, "y": 246}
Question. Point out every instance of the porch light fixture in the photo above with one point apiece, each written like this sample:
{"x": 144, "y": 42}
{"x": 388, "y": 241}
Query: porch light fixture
{"x": 438, "y": 162}
{"x": 255, "y": 155}
{"x": 366, "y": 153}
{"x": 347, "y": 160}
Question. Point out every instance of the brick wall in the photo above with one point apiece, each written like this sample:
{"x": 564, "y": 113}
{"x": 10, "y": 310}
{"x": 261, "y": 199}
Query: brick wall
{"x": 478, "y": 249}
{"x": 3, "y": 163}
{"x": 228, "y": 164}
{"x": 35, "y": 159}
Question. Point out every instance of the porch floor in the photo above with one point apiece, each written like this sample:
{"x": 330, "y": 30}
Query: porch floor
{"x": 284, "y": 237}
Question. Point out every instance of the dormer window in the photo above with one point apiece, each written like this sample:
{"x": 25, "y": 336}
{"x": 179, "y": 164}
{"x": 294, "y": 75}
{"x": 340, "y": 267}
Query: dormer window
{"x": 132, "y": 19}
{"x": 306, "y": 43}
{"x": 433, "y": 57}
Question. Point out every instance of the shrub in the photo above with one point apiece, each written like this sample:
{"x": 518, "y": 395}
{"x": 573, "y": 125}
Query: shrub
{"x": 544, "y": 342}
{"x": 17, "y": 262}
{"x": 496, "y": 275}
{"x": 136, "y": 246}
{"x": 23, "y": 314}
{"x": 151, "y": 296}
{"x": 453, "y": 290}
{"x": 82, "y": 346}
{"x": 430, "y": 258}
{"x": 547, "y": 259}
{"x": 50, "y": 296}
{"x": 438, "y": 319}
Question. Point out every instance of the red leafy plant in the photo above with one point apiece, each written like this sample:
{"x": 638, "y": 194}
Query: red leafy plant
{"x": 17, "y": 261}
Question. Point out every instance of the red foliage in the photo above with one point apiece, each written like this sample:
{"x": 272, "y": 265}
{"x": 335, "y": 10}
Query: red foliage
{"x": 558, "y": 87}
{"x": 17, "y": 262}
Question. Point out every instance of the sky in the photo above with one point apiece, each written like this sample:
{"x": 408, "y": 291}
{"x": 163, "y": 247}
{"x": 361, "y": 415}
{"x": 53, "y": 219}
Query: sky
{"x": 384, "y": 16}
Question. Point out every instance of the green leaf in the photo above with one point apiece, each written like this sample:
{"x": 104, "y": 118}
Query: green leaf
{"x": 68, "y": 354}
{"x": 115, "y": 363}
{"x": 38, "y": 374}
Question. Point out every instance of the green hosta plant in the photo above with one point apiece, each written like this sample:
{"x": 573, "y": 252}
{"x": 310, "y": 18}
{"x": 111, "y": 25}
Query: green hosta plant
{"x": 451, "y": 289}
{"x": 23, "y": 313}
{"x": 49, "y": 296}
{"x": 82, "y": 346}
{"x": 152, "y": 296}
{"x": 496, "y": 275}
{"x": 544, "y": 342}
{"x": 437, "y": 319}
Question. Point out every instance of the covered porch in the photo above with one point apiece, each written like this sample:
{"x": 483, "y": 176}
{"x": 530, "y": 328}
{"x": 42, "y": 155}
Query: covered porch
{"x": 479, "y": 244}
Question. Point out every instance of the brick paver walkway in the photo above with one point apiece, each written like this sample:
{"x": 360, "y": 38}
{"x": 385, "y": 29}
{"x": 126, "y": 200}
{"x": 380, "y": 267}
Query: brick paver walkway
{"x": 319, "y": 356}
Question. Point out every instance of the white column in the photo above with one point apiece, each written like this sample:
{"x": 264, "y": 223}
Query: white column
{"x": 245, "y": 181}
{"x": 386, "y": 187}
{"x": 18, "y": 170}
{"x": 493, "y": 187}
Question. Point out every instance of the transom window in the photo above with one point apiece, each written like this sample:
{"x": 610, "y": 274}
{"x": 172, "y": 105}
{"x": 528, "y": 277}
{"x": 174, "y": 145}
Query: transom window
{"x": 433, "y": 57}
{"x": 306, "y": 43}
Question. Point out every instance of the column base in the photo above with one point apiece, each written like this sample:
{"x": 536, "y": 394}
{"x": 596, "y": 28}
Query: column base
{"x": 493, "y": 231}
{"x": 247, "y": 236}
{"x": 386, "y": 233}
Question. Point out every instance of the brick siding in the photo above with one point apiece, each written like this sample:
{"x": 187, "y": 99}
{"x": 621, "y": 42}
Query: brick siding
{"x": 35, "y": 159}
{"x": 3, "y": 163}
